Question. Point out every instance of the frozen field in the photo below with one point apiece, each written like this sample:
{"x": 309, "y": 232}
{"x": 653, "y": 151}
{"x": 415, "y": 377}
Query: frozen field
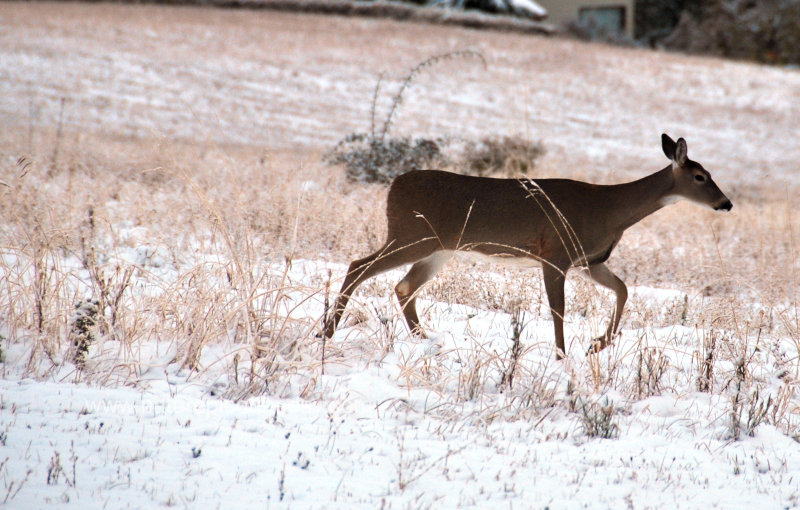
{"x": 165, "y": 163}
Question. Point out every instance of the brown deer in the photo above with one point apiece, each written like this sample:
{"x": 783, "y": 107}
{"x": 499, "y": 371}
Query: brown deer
{"x": 553, "y": 223}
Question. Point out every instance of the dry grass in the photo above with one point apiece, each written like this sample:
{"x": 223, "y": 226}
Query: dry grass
{"x": 186, "y": 232}
{"x": 185, "y": 249}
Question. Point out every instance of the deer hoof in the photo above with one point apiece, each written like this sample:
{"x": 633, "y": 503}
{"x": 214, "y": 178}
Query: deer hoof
{"x": 420, "y": 333}
{"x": 597, "y": 345}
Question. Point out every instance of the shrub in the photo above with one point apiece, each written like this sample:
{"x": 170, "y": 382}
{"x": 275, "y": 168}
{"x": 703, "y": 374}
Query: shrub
{"x": 509, "y": 155}
{"x": 651, "y": 365}
{"x": 597, "y": 419}
{"x": 368, "y": 159}
{"x": 377, "y": 157}
{"x": 82, "y": 329}
{"x": 767, "y": 31}
{"x": 372, "y": 159}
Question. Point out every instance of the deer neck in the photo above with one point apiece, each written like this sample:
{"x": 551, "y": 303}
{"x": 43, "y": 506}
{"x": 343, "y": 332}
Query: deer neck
{"x": 638, "y": 199}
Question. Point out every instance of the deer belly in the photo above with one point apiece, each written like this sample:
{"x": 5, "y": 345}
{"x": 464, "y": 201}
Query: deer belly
{"x": 502, "y": 259}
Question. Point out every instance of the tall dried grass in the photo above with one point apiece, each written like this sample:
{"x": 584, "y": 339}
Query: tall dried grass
{"x": 190, "y": 250}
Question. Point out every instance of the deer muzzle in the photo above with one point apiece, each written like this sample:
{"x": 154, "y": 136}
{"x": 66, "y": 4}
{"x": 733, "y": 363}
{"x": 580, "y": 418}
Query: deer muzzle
{"x": 724, "y": 206}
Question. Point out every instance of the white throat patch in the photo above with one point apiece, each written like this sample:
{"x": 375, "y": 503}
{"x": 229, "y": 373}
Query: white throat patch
{"x": 669, "y": 199}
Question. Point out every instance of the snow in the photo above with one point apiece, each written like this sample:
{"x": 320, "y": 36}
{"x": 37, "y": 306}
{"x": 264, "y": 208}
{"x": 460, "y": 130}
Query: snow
{"x": 123, "y": 447}
{"x": 520, "y": 7}
{"x": 528, "y": 8}
{"x": 395, "y": 428}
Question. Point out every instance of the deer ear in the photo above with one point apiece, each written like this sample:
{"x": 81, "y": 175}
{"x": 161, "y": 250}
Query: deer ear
{"x": 668, "y": 146}
{"x": 680, "y": 152}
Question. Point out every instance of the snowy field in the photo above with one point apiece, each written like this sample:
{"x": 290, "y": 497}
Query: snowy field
{"x": 406, "y": 424}
{"x": 171, "y": 241}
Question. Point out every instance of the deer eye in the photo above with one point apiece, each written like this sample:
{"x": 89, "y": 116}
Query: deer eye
{"x": 700, "y": 178}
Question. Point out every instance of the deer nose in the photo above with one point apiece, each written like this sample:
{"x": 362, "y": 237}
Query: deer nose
{"x": 725, "y": 206}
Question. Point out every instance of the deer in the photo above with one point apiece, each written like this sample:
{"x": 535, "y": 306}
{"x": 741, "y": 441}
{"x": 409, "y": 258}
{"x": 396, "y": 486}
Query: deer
{"x": 555, "y": 224}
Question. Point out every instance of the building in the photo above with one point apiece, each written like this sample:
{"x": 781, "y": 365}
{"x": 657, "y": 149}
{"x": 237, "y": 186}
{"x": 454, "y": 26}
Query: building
{"x": 599, "y": 16}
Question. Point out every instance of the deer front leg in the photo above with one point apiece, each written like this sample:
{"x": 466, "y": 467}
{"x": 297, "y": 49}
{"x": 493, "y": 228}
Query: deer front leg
{"x": 603, "y": 275}
{"x": 554, "y": 286}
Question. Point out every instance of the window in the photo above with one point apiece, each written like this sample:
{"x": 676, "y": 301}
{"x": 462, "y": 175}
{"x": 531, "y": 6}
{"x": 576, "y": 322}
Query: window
{"x": 602, "y": 21}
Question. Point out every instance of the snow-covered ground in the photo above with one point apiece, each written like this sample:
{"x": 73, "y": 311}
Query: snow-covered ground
{"x": 396, "y": 422}
{"x": 367, "y": 443}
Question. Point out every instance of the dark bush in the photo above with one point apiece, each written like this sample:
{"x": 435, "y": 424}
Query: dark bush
{"x": 82, "y": 329}
{"x": 374, "y": 159}
{"x": 765, "y": 31}
{"x": 368, "y": 159}
{"x": 378, "y": 157}
{"x": 507, "y": 155}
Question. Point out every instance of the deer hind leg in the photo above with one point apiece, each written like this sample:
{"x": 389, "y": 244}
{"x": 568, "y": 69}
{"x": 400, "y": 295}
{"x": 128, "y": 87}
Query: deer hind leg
{"x": 408, "y": 288}
{"x": 386, "y": 258}
{"x": 554, "y": 278}
{"x": 603, "y": 275}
